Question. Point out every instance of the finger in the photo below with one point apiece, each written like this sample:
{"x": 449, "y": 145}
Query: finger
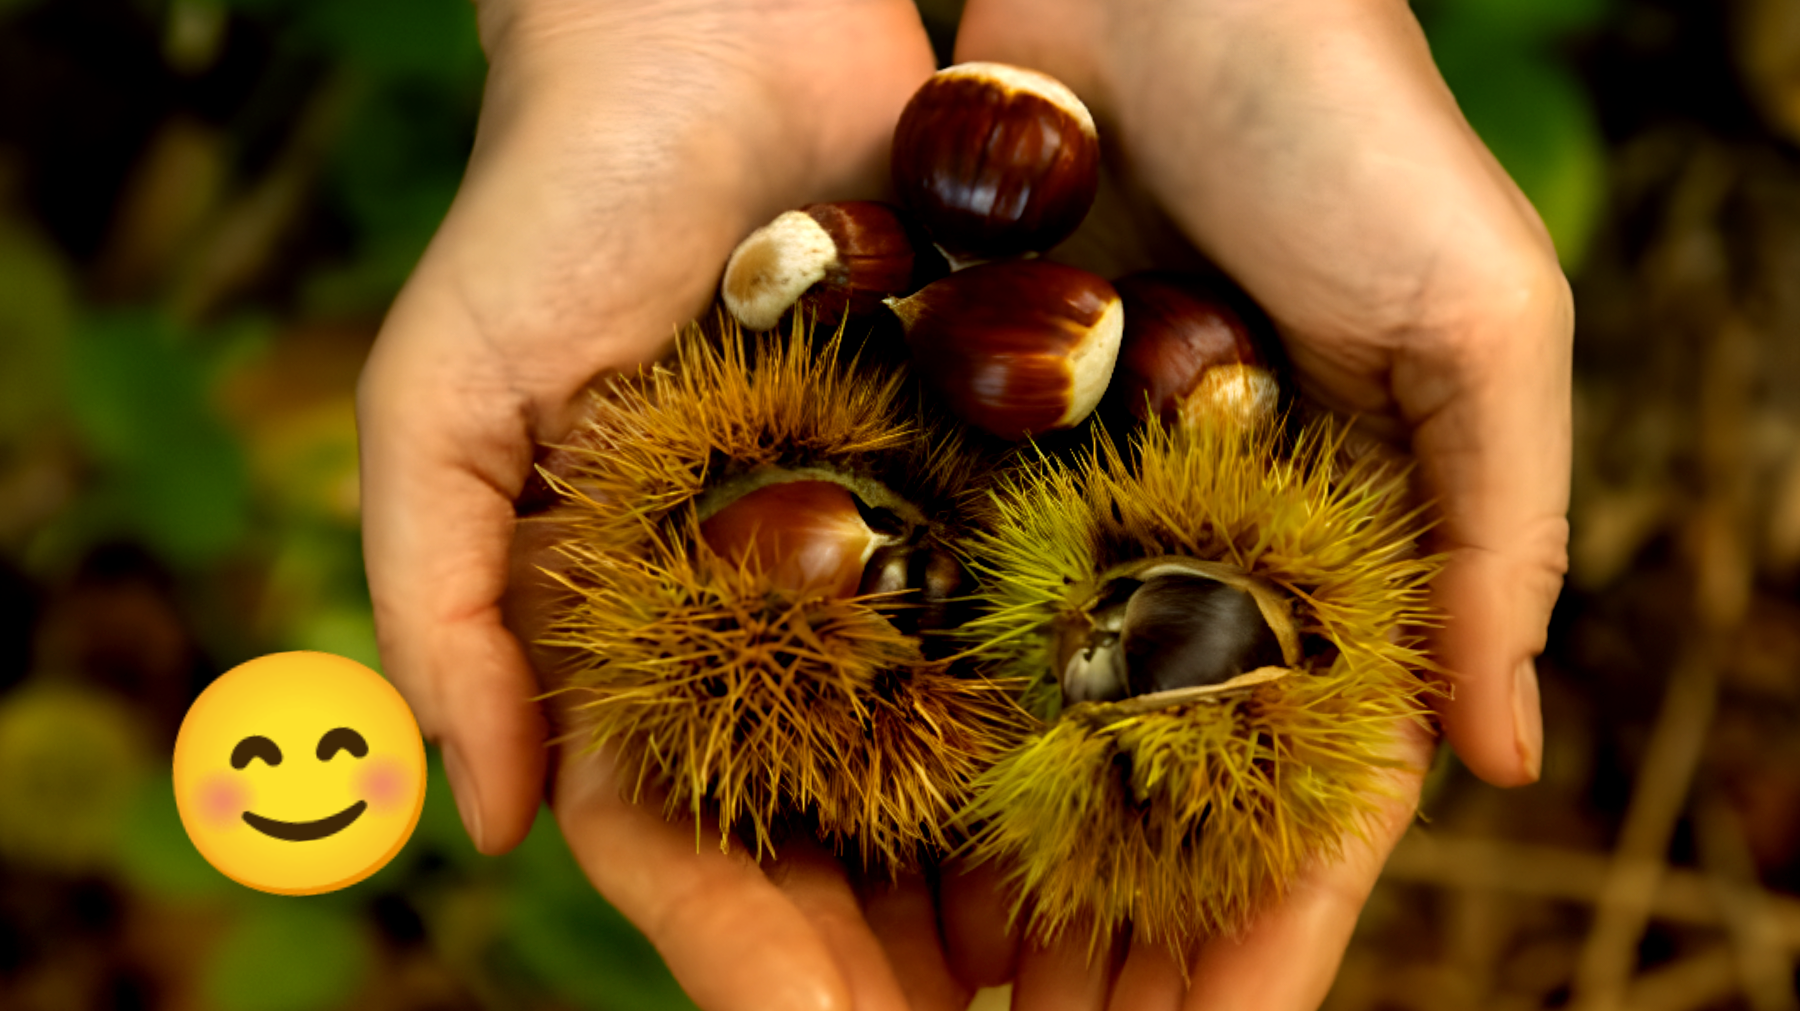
{"x": 1150, "y": 980}
{"x": 1290, "y": 954}
{"x": 904, "y": 918}
{"x": 437, "y": 523}
{"x": 1413, "y": 285}
{"x": 731, "y": 938}
{"x": 980, "y": 934}
{"x": 1497, "y": 456}
{"x": 819, "y": 887}
{"x": 1066, "y": 974}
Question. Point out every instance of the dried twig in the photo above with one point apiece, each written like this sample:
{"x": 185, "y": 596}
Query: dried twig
{"x": 1610, "y": 953}
{"x": 1687, "y": 984}
{"x": 1765, "y": 969}
{"x": 1549, "y": 872}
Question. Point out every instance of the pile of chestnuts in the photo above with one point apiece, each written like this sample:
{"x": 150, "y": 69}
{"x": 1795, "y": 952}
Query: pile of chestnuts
{"x": 811, "y": 600}
{"x": 995, "y": 165}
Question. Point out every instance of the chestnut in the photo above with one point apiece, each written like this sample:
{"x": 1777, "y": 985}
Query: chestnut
{"x": 1188, "y": 351}
{"x": 1015, "y": 347}
{"x": 995, "y": 160}
{"x": 809, "y": 536}
{"x": 1168, "y": 631}
{"x": 842, "y": 257}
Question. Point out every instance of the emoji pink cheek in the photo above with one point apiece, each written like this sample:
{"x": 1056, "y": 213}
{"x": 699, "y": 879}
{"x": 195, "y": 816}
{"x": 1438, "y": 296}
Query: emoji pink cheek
{"x": 384, "y": 784}
{"x": 223, "y": 800}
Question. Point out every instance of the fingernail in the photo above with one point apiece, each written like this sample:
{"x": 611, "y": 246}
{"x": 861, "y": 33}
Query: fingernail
{"x": 1528, "y": 718}
{"x": 462, "y": 787}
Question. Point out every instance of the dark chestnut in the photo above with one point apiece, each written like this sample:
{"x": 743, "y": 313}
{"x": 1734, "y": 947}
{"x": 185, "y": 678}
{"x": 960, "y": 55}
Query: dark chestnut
{"x": 996, "y": 160}
{"x": 1188, "y": 351}
{"x": 1170, "y": 631}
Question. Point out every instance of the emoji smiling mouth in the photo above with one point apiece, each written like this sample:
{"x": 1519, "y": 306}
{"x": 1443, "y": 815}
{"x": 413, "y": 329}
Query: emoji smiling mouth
{"x": 306, "y": 831}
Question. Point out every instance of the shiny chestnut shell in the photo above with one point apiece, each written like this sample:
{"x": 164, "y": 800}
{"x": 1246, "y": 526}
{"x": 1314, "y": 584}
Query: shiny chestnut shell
{"x": 1015, "y": 347}
{"x": 1190, "y": 347}
{"x": 996, "y": 160}
{"x": 806, "y": 535}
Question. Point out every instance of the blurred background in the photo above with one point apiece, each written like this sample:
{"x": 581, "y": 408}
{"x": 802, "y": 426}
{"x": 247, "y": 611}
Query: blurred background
{"x": 205, "y": 206}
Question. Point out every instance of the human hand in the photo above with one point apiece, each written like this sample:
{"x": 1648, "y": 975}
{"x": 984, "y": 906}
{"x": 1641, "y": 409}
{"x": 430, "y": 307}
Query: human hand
{"x": 1310, "y": 149}
{"x": 623, "y": 149}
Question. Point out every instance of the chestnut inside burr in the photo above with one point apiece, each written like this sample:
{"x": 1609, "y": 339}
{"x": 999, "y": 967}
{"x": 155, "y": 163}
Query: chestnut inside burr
{"x": 1166, "y": 632}
{"x": 814, "y": 533}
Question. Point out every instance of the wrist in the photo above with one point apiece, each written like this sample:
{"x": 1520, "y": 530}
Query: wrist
{"x": 770, "y": 74}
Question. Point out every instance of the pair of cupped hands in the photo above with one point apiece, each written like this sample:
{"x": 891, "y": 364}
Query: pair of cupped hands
{"x": 1307, "y": 147}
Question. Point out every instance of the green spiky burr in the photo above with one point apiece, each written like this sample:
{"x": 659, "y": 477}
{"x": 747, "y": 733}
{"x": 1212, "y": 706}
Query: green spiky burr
{"x": 1182, "y": 811}
{"x": 770, "y": 706}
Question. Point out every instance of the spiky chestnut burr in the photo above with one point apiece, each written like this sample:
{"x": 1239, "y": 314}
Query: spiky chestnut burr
{"x": 1015, "y": 347}
{"x": 770, "y": 699}
{"x": 842, "y": 257}
{"x": 1170, "y": 804}
{"x": 1187, "y": 351}
{"x": 996, "y": 160}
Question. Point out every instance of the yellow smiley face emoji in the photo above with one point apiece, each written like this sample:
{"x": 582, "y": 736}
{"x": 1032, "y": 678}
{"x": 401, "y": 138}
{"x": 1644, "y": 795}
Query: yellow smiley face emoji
{"x": 299, "y": 773}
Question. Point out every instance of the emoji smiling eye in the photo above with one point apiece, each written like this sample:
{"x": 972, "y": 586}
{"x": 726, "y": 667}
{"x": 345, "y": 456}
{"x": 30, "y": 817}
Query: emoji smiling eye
{"x": 342, "y": 739}
{"x": 255, "y": 746}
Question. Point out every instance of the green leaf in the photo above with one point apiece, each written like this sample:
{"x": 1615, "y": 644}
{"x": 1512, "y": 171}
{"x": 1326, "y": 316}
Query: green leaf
{"x": 394, "y": 175}
{"x": 155, "y": 854}
{"x": 1539, "y": 122}
{"x": 1508, "y": 22}
{"x": 434, "y": 39}
{"x": 172, "y": 474}
{"x": 288, "y": 954}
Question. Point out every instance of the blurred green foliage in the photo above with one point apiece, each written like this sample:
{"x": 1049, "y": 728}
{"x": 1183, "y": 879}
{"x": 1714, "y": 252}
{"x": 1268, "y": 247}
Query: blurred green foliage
{"x": 217, "y": 433}
{"x": 1507, "y": 63}
{"x": 287, "y": 955}
{"x": 173, "y": 475}
{"x": 70, "y": 762}
{"x": 37, "y": 305}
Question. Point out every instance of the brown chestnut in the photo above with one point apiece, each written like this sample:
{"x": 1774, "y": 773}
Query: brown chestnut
{"x": 995, "y": 160}
{"x": 1015, "y": 347}
{"x": 1187, "y": 352}
{"x": 807, "y": 535}
{"x": 1169, "y": 631}
{"x": 843, "y": 257}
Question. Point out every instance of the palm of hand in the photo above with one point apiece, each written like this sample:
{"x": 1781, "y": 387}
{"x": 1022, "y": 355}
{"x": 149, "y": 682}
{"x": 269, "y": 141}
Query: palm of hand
{"x": 1409, "y": 282}
{"x": 614, "y": 168}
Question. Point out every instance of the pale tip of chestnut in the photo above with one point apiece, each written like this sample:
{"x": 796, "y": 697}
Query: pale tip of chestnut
{"x": 1191, "y": 353}
{"x": 1244, "y": 394}
{"x": 1091, "y": 364}
{"x": 770, "y": 270}
{"x": 1030, "y": 82}
{"x": 1016, "y": 347}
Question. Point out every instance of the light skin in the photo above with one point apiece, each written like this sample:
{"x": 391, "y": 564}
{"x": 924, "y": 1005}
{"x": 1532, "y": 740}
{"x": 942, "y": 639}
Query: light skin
{"x": 1308, "y": 147}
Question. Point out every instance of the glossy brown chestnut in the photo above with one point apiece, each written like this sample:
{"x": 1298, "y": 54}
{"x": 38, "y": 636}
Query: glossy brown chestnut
{"x": 1186, "y": 351}
{"x": 843, "y": 258}
{"x": 1167, "y": 632}
{"x": 807, "y": 535}
{"x": 1015, "y": 347}
{"x": 996, "y": 160}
